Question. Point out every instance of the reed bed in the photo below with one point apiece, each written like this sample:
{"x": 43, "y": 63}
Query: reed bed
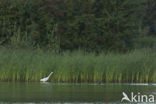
{"x": 27, "y": 65}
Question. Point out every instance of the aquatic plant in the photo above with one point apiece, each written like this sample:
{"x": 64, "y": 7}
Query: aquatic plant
{"x": 28, "y": 65}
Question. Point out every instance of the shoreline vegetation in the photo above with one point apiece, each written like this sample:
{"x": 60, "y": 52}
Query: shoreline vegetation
{"x": 137, "y": 66}
{"x": 78, "y": 40}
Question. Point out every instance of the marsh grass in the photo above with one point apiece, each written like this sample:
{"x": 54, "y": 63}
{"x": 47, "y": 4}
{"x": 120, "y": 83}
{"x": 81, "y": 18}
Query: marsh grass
{"x": 28, "y": 65}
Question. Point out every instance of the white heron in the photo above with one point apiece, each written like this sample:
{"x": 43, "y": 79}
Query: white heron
{"x": 47, "y": 78}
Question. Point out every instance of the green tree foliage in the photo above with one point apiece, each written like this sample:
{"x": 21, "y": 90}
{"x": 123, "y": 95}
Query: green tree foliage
{"x": 150, "y": 16}
{"x": 90, "y": 25}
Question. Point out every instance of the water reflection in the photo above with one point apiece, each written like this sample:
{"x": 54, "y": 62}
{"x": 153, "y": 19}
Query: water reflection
{"x": 69, "y": 93}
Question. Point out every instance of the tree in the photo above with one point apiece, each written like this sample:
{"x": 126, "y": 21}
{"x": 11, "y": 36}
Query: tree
{"x": 90, "y": 25}
{"x": 149, "y": 18}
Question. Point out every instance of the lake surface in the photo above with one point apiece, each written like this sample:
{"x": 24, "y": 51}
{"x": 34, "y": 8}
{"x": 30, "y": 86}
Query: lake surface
{"x": 49, "y": 93}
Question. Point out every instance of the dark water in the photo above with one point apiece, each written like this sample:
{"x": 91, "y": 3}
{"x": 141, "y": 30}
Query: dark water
{"x": 36, "y": 92}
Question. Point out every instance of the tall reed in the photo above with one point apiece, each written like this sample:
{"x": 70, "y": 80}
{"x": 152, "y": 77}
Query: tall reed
{"x": 29, "y": 65}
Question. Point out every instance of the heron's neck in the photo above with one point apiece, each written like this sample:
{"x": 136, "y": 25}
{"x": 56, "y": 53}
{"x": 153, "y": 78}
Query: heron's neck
{"x": 50, "y": 74}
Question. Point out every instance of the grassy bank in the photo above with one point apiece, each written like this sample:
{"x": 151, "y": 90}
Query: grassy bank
{"x": 27, "y": 65}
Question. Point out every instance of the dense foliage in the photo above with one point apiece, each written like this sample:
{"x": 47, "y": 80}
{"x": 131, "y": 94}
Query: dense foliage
{"x": 90, "y": 25}
{"x": 137, "y": 66}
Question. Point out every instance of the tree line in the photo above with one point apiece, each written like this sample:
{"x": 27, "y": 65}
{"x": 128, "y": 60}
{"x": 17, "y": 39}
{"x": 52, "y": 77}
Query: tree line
{"x": 89, "y": 25}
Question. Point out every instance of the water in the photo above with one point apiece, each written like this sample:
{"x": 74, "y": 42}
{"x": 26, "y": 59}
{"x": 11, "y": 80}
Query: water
{"x": 36, "y": 92}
